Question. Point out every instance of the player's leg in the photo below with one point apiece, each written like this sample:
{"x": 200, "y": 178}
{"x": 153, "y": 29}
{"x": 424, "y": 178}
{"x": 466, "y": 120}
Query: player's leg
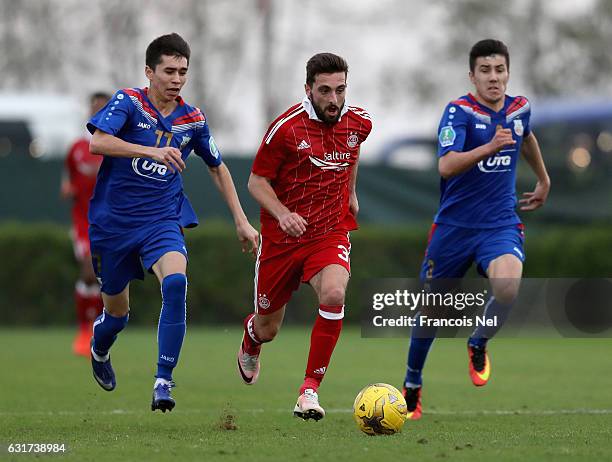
{"x": 501, "y": 258}
{"x": 258, "y": 329}
{"x": 277, "y": 276}
{"x": 448, "y": 255}
{"x": 115, "y": 264}
{"x": 106, "y": 327}
{"x": 327, "y": 270}
{"x": 170, "y": 270}
{"x": 88, "y": 303}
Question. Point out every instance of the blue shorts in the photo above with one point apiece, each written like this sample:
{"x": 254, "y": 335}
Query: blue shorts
{"x": 451, "y": 250}
{"x": 119, "y": 258}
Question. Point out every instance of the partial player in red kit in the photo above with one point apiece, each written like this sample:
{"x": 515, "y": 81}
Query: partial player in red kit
{"x": 78, "y": 182}
{"x": 304, "y": 178}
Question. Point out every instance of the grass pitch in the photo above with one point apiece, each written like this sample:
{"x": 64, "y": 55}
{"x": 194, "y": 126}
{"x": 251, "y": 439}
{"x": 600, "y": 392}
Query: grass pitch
{"x": 548, "y": 399}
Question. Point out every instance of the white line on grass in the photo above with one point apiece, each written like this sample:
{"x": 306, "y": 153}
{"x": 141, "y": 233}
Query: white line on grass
{"x": 532, "y": 412}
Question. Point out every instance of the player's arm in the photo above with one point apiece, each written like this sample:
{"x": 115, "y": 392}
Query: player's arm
{"x": 353, "y": 201}
{"x": 533, "y": 155}
{"x": 290, "y": 222}
{"x": 66, "y": 189}
{"x": 103, "y": 143}
{"x": 453, "y": 162}
{"x": 225, "y": 184}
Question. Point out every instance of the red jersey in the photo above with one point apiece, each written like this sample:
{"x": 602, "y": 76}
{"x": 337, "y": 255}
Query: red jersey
{"x": 82, "y": 167}
{"x": 309, "y": 164}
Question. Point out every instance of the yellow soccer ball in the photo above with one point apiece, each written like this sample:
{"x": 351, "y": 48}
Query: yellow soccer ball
{"x": 380, "y": 409}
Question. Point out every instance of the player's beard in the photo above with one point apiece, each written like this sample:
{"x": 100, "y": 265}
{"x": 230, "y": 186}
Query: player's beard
{"x": 321, "y": 113}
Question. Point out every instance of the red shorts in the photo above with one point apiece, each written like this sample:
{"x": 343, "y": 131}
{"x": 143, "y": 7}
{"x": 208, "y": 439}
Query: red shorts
{"x": 281, "y": 267}
{"x": 80, "y": 240}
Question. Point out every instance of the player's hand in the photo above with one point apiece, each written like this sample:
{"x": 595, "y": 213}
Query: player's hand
{"x": 66, "y": 190}
{"x": 502, "y": 139}
{"x": 534, "y": 200}
{"x": 248, "y": 237}
{"x": 354, "y": 204}
{"x": 293, "y": 224}
{"x": 170, "y": 157}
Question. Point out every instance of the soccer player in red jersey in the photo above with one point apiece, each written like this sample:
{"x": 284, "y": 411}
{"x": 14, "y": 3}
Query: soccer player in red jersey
{"x": 304, "y": 178}
{"x": 78, "y": 182}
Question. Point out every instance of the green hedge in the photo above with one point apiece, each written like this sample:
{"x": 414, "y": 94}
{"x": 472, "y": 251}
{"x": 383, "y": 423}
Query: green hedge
{"x": 38, "y": 271}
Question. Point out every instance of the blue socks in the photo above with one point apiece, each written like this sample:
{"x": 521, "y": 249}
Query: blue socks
{"x": 172, "y": 325}
{"x": 106, "y": 328}
{"x": 482, "y": 334}
{"x": 420, "y": 342}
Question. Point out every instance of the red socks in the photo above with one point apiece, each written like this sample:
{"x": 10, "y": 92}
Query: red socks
{"x": 88, "y": 304}
{"x": 323, "y": 339}
{"x": 251, "y": 343}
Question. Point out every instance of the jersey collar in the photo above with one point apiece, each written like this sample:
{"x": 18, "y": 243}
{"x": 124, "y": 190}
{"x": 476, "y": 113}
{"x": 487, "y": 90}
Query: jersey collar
{"x": 473, "y": 99}
{"x": 310, "y": 110}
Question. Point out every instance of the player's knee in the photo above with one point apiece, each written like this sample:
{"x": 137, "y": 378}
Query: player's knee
{"x": 333, "y": 295}
{"x": 506, "y": 293}
{"x": 267, "y": 331}
{"x": 174, "y": 288}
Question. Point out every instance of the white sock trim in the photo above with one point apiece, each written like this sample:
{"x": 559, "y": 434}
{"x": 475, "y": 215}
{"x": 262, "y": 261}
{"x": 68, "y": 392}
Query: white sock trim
{"x": 332, "y": 316}
{"x": 159, "y": 381}
{"x": 97, "y": 357}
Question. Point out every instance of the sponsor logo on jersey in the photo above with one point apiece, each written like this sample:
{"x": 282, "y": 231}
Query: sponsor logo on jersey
{"x": 330, "y": 161}
{"x": 480, "y": 126}
{"x": 447, "y": 136}
{"x": 518, "y": 127}
{"x": 352, "y": 140}
{"x": 144, "y": 125}
{"x": 303, "y": 145}
{"x": 496, "y": 164}
{"x": 149, "y": 169}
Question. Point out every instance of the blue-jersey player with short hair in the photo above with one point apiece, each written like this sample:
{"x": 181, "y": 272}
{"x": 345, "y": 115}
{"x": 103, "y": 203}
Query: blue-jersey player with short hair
{"x": 138, "y": 210}
{"x": 479, "y": 140}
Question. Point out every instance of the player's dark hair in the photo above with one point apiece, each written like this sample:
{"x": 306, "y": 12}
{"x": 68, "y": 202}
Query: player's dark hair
{"x": 169, "y": 45}
{"x": 488, "y": 47}
{"x": 99, "y": 95}
{"x": 324, "y": 63}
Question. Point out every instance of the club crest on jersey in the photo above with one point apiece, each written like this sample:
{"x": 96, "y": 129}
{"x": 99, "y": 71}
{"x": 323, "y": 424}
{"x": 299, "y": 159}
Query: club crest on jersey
{"x": 518, "y": 127}
{"x": 263, "y": 302}
{"x": 149, "y": 169}
{"x": 184, "y": 141}
{"x": 352, "y": 140}
{"x": 447, "y": 136}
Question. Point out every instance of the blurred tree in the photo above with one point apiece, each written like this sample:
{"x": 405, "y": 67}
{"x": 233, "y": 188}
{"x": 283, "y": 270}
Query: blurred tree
{"x": 556, "y": 51}
{"x": 31, "y": 46}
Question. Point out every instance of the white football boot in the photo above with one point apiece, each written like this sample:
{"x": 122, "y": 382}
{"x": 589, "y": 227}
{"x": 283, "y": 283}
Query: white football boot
{"x": 308, "y": 407}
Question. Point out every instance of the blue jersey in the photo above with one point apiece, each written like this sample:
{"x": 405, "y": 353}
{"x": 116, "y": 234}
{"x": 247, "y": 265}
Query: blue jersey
{"x": 485, "y": 195}
{"x": 134, "y": 192}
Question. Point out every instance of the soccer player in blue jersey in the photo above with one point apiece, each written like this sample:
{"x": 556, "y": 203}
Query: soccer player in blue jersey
{"x": 480, "y": 137}
{"x": 138, "y": 210}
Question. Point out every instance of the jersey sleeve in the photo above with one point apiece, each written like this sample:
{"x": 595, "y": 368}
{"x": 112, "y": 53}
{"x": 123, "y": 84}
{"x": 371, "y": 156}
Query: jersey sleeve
{"x": 271, "y": 153}
{"x": 527, "y": 129}
{"x": 112, "y": 117}
{"x": 205, "y": 147}
{"x": 452, "y": 130}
